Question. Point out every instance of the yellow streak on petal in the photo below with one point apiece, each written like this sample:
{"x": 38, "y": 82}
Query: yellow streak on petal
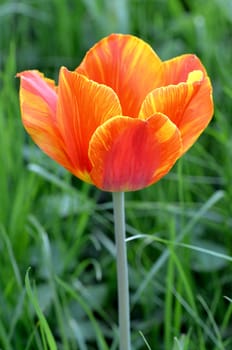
{"x": 194, "y": 76}
{"x": 166, "y": 131}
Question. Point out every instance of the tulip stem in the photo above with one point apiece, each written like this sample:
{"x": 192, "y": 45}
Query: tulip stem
{"x": 122, "y": 271}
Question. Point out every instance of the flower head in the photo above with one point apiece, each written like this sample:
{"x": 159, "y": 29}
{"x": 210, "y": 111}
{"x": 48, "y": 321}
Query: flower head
{"x": 122, "y": 119}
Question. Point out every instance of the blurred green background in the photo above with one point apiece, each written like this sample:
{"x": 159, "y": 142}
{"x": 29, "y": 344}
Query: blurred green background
{"x": 181, "y": 294}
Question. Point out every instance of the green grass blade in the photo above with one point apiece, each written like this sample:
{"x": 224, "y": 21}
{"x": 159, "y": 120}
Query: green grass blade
{"x": 46, "y": 332}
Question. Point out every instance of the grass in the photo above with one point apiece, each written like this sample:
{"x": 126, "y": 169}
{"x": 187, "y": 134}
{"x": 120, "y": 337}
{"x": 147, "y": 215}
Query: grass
{"x": 57, "y": 255}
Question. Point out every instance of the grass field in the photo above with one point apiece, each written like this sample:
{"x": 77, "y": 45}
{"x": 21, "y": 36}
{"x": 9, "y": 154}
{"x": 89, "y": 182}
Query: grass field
{"x": 57, "y": 257}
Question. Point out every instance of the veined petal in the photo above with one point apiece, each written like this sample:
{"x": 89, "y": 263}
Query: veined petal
{"x": 38, "y": 101}
{"x": 176, "y": 70}
{"x": 83, "y": 105}
{"x": 126, "y": 64}
{"x": 189, "y": 105}
{"x": 128, "y": 154}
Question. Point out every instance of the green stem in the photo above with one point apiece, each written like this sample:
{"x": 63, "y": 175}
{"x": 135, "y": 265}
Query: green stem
{"x": 122, "y": 271}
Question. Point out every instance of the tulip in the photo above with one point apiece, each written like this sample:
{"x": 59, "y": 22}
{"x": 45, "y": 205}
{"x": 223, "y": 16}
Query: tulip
{"x": 122, "y": 119}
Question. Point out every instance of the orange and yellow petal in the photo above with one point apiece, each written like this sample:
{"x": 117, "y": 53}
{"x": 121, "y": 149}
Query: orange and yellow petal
{"x": 128, "y": 154}
{"x": 38, "y": 101}
{"x": 83, "y": 105}
{"x": 176, "y": 70}
{"x": 126, "y": 64}
{"x": 189, "y": 105}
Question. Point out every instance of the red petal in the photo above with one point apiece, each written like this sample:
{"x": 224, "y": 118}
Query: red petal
{"x": 128, "y": 65}
{"x": 129, "y": 154}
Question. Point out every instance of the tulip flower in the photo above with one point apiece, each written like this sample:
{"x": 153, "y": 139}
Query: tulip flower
{"x": 119, "y": 121}
{"x": 122, "y": 119}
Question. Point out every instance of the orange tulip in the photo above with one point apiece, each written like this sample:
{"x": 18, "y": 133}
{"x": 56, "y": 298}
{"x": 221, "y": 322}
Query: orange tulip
{"x": 122, "y": 119}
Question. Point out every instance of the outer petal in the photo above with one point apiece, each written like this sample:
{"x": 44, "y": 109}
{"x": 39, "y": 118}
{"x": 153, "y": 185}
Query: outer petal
{"x": 128, "y": 65}
{"x": 83, "y": 105}
{"x": 38, "y": 100}
{"x": 128, "y": 154}
{"x": 189, "y": 105}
